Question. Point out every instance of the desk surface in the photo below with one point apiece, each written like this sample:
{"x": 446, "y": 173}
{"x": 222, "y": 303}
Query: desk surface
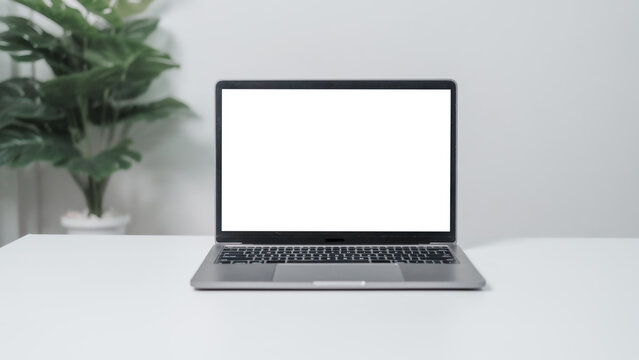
{"x": 128, "y": 297}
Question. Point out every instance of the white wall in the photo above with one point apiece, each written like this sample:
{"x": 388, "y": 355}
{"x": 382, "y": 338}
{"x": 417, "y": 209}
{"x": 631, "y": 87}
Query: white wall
{"x": 547, "y": 104}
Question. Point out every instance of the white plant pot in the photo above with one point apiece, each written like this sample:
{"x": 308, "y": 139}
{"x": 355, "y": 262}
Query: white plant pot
{"x": 109, "y": 224}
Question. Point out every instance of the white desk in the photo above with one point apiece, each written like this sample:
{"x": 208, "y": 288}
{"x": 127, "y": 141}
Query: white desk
{"x": 128, "y": 297}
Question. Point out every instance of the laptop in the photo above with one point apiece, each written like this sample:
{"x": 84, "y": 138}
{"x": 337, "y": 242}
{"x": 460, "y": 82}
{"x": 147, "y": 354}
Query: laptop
{"x": 336, "y": 185}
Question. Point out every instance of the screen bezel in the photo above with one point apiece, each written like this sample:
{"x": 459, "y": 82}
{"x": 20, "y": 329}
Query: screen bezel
{"x": 335, "y": 237}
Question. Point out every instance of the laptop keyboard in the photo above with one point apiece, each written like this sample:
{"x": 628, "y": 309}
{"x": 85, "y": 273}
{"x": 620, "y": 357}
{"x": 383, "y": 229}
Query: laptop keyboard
{"x": 335, "y": 254}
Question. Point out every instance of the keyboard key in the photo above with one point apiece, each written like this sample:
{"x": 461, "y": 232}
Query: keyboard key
{"x": 336, "y": 254}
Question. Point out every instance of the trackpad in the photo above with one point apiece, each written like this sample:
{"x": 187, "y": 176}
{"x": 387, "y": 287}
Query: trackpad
{"x": 337, "y": 272}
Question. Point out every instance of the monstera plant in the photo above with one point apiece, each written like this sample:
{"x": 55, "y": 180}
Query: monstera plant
{"x": 79, "y": 119}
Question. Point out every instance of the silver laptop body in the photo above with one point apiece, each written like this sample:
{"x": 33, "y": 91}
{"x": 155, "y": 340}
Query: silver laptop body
{"x": 336, "y": 185}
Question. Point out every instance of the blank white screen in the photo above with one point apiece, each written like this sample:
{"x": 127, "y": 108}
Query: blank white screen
{"x": 335, "y": 160}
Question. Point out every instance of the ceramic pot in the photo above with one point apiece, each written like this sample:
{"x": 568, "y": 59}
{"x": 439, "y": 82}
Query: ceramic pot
{"x": 109, "y": 224}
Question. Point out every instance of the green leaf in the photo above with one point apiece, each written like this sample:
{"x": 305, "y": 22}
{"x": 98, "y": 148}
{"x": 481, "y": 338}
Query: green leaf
{"x": 65, "y": 90}
{"x": 14, "y": 110}
{"x": 105, "y": 163}
{"x": 103, "y": 9}
{"x": 149, "y": 65}
{"x": 30, "y": 32}
{"x": 126, "y": 8}
{"x": 61, "y": 64}
{"x": 138, "y": 29}
{"x": 168, "y": 107}
{"x": 140, "y": 61}
{"x": 67, "y": 17}
{"x": 20, "y": 100}
{"x": 27, "y": 42}
{"x": 20, "y": 87}
{"x": 126, "y": 90}
{"x": 28, "y": 57}
{"x": 153, "y": 111}
{"x": 18, "y": 48}
{"x": 11, "y": 43}
{"x": 111, "y": 50}
{"x": 20, "y": 147}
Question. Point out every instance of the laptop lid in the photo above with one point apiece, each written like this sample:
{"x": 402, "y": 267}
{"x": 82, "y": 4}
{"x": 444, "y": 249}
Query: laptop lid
{"x": 336, "y": 162}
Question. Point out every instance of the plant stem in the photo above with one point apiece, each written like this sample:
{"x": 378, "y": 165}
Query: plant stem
{"x": 96, "y": 199}
{"x": 83, "y": 103}
{"x": 74, "y": 127}
{"x": 93, "y": 191}
{"x": 94, "y": 195}
{"x": 116, "y": 113}
{"x": 116, "y": 116}
{"x": 105, "y": 97}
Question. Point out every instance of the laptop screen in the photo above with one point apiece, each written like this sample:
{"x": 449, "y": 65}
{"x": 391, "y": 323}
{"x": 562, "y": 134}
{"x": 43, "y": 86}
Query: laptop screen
{"x": 364, "y": 160}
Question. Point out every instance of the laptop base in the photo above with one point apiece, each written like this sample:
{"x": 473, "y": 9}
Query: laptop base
{"x": 461, "y": 275}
